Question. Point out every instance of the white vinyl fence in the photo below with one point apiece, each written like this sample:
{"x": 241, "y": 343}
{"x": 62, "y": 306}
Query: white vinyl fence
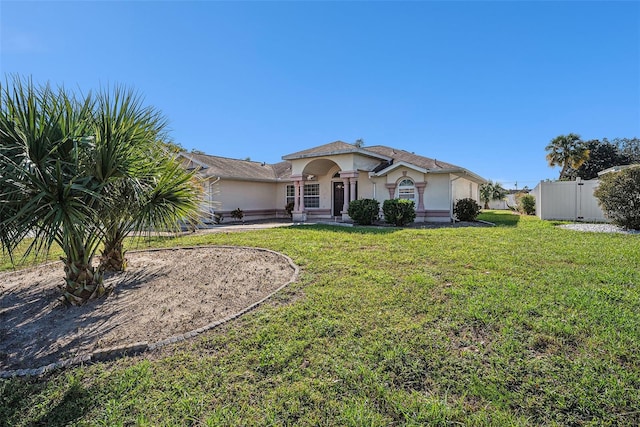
{"x": 568, "y": 201}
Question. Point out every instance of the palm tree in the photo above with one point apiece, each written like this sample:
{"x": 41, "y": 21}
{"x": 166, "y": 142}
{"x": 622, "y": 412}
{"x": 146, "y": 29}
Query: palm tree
{"x": 159, "y": 200}
{"x": 45, "y": 190}
{"x": 491, "y": 191}
{"x": 567, "y": 151}
{"x": 60, "y": 160}
{"x": 156, "y": 183}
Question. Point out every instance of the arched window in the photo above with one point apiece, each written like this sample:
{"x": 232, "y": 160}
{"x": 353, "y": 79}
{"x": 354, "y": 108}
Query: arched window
{"x": 407, "y": 189}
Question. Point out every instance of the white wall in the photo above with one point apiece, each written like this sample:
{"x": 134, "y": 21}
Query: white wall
{"x": 258, "y": 200}
{"x": 509, "y": 200}
{"x": 568, "y": 201}
{"x": 436, "y": 193}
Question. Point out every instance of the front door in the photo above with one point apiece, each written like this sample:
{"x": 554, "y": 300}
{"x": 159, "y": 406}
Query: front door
{"x": 338, "y": 198}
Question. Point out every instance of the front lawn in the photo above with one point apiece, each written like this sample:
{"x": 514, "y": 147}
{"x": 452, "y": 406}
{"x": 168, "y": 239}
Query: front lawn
{"x": 518, "y": 324}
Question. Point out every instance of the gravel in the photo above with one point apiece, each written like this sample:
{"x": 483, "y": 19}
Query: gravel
{"x": 598, "y": 228}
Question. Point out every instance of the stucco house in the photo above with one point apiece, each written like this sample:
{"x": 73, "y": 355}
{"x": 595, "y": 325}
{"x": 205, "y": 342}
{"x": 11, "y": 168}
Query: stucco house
{"x": 321, "y": 181}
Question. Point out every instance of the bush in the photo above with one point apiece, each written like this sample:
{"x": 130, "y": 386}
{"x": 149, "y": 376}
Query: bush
{"x": 466, "y": 209}
{"x": 399, "y": 212}
{"x": 364, "y": 211}
{"x": 237, "y": 214}
{"x": 289, "y": 209}
{"x": 619, "y": 197}
{"x": 526, "y": 204}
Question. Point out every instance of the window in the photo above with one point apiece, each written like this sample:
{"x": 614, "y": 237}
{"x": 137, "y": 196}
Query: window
{"x": 311, "y": 195}
{"x": 406, "y": 190}
{"x": 291, "y": 194}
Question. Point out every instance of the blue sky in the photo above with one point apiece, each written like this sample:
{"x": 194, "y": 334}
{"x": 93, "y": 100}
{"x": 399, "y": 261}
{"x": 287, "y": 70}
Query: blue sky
{"x": 484, "y": 85}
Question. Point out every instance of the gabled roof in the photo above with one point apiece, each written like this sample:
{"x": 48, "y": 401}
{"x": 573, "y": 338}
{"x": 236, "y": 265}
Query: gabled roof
{"x": 419, "y": 163}
{"x": 389, "y": 158}
{"x": 411, "y": 158}
{"x": 332, "y": 149}
{"x": 226, "y": 168}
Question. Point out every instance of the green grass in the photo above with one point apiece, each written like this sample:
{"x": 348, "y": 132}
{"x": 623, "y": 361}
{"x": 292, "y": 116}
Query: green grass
{"x": 518, "y": 324}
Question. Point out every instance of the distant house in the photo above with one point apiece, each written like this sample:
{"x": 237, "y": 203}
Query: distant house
{"x": 321, "y": 181}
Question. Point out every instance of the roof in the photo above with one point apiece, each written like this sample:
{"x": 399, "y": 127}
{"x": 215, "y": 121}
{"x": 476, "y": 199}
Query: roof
{"x": 412, "y": 158}
{"x": 615, "y": 169}
{"x": 247, "y": 170}
{"x": 227, "y": 168}
{"x": 332, "y": 149}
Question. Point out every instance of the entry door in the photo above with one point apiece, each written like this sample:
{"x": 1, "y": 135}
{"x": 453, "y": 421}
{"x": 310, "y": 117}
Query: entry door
{"x": 338, "y": 198}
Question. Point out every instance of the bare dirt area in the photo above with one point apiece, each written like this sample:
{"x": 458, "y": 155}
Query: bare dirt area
{"x": 163, "y": 293}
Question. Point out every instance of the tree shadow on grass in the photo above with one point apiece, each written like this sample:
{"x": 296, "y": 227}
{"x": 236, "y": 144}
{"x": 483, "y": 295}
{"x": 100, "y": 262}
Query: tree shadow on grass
{"x": 18, "y": 396}
{"x": 501, "y": 218}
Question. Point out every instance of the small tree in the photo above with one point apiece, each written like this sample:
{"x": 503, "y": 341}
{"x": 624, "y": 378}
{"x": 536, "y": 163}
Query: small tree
{"x": 73, "y": 171}
{"x": 619, "y": 196}
{"x": 237, "y": 214}
{"x": 399, "y": 212}
{"x": 364, "y": 211}
{"x": 466, "y": 209}
{"x": 289, "y": 209}
{"x": 491, "y": 191}
{"x": 526, "y": 203}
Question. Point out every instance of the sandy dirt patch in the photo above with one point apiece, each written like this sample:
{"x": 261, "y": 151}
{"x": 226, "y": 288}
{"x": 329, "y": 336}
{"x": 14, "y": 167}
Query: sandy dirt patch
{"x": 162, "y": 294}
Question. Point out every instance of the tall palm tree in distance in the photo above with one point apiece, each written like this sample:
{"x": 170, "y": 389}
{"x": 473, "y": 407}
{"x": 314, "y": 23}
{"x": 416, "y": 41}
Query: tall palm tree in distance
{"x": 566, "y": 151}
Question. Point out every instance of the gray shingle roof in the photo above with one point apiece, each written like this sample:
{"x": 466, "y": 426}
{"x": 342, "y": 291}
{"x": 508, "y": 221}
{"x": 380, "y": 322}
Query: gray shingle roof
{"x": 257, "y": 171}
{"x": 333, "y": 148}
{"x": 239, "y": 169}
{"x": 414, "y": 159}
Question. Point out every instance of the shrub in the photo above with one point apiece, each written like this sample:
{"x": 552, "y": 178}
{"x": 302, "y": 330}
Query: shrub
{"x": 466, "y": 209}
{"x": 526, "y": 204}
{"x": 399, "y": 212}
{"x": 364, "y": 211}
{"x": 237, "y": 214}
{"x": 217, "y": 218}
{"x": 289, "y": 209}
{"x": 619, "y": 197}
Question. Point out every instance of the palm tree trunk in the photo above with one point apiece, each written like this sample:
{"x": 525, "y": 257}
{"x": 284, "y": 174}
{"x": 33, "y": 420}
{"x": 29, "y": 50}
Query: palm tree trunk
{"x": 565, "y": 166}
{"x": 112, "y": 258}
{"x": 83, "y": 281}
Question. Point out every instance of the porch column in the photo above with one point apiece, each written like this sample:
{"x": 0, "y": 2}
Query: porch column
{"x": 392, "y": 190}
{"x": 345, "y": 204}
{"x": 352, "y": 189}
{"x": 296, "y": 196}
{"x": 301, "y": 185}
{"x": 298, "y": 214}
{"x": 420, "y": 188}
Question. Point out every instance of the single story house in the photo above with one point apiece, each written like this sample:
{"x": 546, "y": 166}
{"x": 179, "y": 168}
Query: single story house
{"x": 321, "y": 181}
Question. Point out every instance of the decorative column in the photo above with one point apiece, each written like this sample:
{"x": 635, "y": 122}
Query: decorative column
{"x": 420, "y": 188}
{"x": 296, "y": 196}
{"x": 392, "y": 190}
{"x": 352, "y": 189}
{"x": 298, "y": 199}
{"x": 302, "y": 195}
{"x": 345, "y": 204}
{"x": 349, "y": 179}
